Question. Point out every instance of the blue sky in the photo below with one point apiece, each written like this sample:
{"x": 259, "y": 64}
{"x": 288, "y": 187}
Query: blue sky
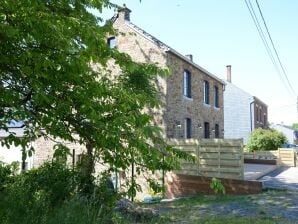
{"x": 219, "y": 33}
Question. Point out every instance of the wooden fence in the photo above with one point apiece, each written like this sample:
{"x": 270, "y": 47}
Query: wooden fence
{"x": 283, "y": 156}
{"x": 214, "y": 158}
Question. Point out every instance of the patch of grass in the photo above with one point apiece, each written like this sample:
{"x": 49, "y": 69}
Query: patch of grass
{"x": 237, "y": 220}
{"x": 197, "y": 209}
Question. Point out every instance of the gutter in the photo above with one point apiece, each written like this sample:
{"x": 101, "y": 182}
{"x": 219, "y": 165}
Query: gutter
{"x": 250, "y": 112}
{"x": 194, "y": 64}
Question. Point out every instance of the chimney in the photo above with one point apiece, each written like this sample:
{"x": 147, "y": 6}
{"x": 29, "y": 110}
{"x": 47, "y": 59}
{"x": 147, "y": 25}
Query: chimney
{"x": 229, "y": 78}
{"x": 189, "y": 56}
{"x": 124, "y": 13}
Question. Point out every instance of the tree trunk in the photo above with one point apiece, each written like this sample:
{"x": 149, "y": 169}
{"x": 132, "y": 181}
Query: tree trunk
{"x": 87, "y": 178}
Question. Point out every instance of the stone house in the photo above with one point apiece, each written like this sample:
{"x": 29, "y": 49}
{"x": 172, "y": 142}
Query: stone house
{"x": 243, "y": 111}
{"x": 192, "y": 97}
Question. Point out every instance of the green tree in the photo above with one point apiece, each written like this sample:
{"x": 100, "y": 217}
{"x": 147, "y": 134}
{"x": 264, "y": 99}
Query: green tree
{"x": 265, "y": 139}
{"x": 295, "y": 125}
{"x": 55, "y": 77}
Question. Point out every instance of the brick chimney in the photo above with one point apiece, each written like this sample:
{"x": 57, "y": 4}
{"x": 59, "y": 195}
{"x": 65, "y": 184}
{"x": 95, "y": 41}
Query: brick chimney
{"x": 229, "y": 77}
{"x": 124, "y": 13}
{"x": 189, "y": 56}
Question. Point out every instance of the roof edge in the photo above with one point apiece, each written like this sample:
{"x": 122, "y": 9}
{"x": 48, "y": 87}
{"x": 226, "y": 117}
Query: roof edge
{"x": 166, "y": 47}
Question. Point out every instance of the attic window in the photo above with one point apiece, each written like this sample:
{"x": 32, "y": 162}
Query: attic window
{"x": 112, "y": 42}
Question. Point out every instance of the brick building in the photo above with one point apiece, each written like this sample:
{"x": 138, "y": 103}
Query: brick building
{"x": 192, "y": 98}
{"x": 243, "y": 111}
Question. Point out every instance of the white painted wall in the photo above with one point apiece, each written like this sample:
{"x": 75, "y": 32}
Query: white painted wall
{"x": 13, "y": 153}
{"x": 287, "y": 131}
{"x": 237, "y": 115}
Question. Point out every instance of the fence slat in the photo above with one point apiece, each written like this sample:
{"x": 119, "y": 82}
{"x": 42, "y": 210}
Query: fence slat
{"x": 214, "y": 158}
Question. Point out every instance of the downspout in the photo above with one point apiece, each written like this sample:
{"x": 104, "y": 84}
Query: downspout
{"x": 251, "y": 115}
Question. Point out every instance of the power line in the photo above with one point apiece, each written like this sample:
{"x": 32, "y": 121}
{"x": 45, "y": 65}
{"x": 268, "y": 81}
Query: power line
{"x": 264, "y": 40}
{"x": 278, "y": 58}
{"x": 260, "y": 31}
{"x": 268, "y": 49}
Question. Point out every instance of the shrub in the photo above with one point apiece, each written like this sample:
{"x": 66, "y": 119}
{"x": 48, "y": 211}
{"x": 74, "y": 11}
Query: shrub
{"x": 5, "y": 173}
{"x": 217, "y": 186}
{"x": 265, "y": 139}
{"x": 30, "y": 196}
{"x": 49, "y": 194}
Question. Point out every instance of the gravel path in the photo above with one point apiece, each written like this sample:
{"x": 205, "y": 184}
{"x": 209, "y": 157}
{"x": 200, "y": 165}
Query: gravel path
{"x": 278, "y": 206}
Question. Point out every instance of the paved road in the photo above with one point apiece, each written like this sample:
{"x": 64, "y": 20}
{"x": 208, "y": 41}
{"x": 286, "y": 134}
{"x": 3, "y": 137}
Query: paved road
{"x": 255, "y": 171}
{"x": 282, "y": 178}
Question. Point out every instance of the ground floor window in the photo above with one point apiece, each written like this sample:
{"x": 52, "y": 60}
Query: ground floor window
{"x": 216, "y": 130}
{"x": 206, "y": 130}
{"x": 187, "y": 128}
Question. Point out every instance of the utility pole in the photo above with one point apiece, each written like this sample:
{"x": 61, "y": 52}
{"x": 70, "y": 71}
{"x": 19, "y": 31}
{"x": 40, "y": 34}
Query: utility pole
{"x": 297, "y": 108}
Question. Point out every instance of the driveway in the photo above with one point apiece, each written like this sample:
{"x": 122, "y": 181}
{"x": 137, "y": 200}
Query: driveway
{"x": 281, "y": 178}
{"x": 256, "y": 171}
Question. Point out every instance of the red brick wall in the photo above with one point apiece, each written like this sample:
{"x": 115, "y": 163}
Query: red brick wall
{"x": 185, "y": 185}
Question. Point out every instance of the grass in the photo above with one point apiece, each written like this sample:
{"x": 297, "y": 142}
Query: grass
{"x": 202, "y": 209}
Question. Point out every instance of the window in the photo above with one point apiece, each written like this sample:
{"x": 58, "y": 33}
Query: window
{"x": 112, "y": 42}
{"x": 206, "y": 130}
{"x": 187, "y": 84}
{"x": 216, "y": 103}
{"x": 206, "y": 92}
{"x": 216, "y": 129}
{"x": 187, "y": 128}
{"x": 78, "y": 159}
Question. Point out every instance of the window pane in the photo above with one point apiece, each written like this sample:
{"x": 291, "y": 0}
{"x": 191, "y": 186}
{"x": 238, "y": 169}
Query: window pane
{"x": 186, "y": 83}
{"x": 216, "y": 131}
{"x": 206, "y": 130}
{"x": 216, "y": 103}
{"x": 112, "y": 42}
{"x": 206, "y": 92}
{"x": 187, "y": 128}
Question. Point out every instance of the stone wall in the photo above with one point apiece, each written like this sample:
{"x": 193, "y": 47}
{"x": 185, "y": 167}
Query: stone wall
{"x": 44, "y": 150}
{"x": 143, "y": 47}
{"x": 178, "y": 185}
{"x": 180, "y": 107}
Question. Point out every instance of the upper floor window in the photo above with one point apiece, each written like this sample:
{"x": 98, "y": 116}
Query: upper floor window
{"x": 112, "y": 42}
{"x": 187, "y": 84}
{"x": 206, "y": 92}
{"x": 216, "y": 130}
{"x": 206, "y": 130}
{"x": 216, "y": 102}
{"x": 187, "y": 128}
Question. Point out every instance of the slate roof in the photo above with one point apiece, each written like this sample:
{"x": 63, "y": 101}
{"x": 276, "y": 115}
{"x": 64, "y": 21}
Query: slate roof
{"x": 166, "y": 47}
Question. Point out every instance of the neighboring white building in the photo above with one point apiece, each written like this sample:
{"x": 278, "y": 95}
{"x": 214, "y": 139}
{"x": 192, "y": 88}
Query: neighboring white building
{"x": 243, "y": 112}
{"x": 289, "y": 132}
{"x": 14, "y": 153}
{"x": 238, "y": 116}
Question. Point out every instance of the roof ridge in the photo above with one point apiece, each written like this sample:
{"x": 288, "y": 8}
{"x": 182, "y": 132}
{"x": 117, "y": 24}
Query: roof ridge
{"x": 170, "y": 49}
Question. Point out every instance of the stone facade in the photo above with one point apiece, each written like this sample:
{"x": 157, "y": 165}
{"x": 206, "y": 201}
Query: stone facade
{"x": 176, "y": 108}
